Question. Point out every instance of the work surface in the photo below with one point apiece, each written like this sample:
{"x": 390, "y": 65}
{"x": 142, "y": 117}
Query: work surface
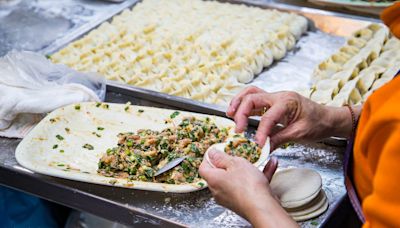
{"x": 125, "y": 205}
{"x": 134, "y": 206}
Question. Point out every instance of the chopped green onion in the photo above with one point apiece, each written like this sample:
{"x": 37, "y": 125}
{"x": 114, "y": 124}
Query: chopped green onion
{"x": 55, "y": 146}
{"x": 174, "y": 114}
{"x": 59, "y": 137}
{"x": 78, "y": 107}
{"x": 61, "y": 151}
{"x": 98, "y": 104}
{"x": 88, "y": 146}
{"x": 140, "y": 110}
{"x": 129, "y": 143}
{"x": 100, "y": 128}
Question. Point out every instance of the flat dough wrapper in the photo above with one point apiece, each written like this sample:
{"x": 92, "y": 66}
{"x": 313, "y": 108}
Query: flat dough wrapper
{"x": 310, "y": 207}
{"x": 35, "y": 151}
{"x": 293, "y": 185}
{"x": 314, "y": 214}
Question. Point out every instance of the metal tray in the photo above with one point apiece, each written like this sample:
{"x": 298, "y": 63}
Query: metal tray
{"x": 325, "y": 35}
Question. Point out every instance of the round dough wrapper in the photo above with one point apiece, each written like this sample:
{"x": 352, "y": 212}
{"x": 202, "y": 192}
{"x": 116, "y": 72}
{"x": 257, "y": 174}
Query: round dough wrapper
{"x": 312, "y": 206}
{"x": 314, "y": 214}
{"x": 296, "y": 187}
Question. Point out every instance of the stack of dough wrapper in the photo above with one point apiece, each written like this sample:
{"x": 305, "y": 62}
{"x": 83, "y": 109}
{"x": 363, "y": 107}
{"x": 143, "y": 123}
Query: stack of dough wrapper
{"x": 300, "y": 192}
{"x": 202, "y": 50}
{"x": 370, "y": 58}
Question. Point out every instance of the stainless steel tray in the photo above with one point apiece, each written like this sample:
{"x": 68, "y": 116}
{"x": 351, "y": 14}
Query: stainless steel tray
{"x": 325, "y": 35}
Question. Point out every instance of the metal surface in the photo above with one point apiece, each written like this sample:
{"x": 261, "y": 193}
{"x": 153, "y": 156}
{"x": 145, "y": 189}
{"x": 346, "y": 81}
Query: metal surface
{"x": 292, "y": 73}
{"x": 137, "y": 207}
{"x": 142, "y": 208}
{"x": 36, "y": 25}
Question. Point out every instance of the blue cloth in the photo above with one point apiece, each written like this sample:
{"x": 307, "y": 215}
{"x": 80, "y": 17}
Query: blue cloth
{"x": 18, "y": 209}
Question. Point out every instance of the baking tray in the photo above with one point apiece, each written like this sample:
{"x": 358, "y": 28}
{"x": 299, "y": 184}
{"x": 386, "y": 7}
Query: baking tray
{"x": 325, "y": 35}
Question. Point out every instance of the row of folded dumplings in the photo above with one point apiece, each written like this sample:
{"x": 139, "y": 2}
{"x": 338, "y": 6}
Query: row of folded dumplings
{"x": 368, "y": 60}
{"x": 203, "y": 50}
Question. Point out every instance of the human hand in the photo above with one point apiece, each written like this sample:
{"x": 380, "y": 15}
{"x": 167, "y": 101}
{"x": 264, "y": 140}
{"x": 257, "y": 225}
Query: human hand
{"x": 302, "y": 118}
{"x": 238, "y": 185}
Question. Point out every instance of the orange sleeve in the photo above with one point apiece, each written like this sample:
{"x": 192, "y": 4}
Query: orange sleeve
{"x": 391, "y": 17}
{"x": 382, "y": 206}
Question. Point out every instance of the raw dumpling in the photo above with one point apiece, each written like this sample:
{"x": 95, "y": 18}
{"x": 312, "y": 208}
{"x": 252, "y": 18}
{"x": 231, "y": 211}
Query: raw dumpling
{"x": 349, "y": 94}
{"x": 356, "y": 42}
{"x": 392, "y": 44}
{"x": 345, "y": 76}
{"x": 367, "y": 77}
{"x": 326, "y": 69}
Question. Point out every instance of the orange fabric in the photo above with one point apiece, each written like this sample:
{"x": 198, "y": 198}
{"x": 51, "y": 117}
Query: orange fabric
{"x": 377, "y": 157}
{"x": 376, "y": 164}
{"x": 391, "y": 17}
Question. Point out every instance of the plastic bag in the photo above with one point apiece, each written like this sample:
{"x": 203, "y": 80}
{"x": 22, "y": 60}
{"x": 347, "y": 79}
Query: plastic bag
{"x": 35, "y": 71}
{"x": 32, "y": 84}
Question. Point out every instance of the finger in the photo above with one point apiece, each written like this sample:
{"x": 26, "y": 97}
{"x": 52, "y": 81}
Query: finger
{"x": 205, "y": 170}
{"x": 246, "y": 108}
{"x": 270, "y": 168}
{"x": 220, "y": 159}
{"x": 211, "y": 175}
{"x": 285, "y": 135}
{"x": 238, "y": 98}
{"x": 257, "y": 112}
{"x": 268, "y": 121}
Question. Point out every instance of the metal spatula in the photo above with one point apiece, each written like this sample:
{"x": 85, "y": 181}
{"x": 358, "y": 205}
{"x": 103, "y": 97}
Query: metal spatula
{"x": 170, "y": 165}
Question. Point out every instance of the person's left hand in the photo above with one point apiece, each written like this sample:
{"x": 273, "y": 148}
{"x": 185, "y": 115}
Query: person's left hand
{"x": 235, "y": 183}
{"x": 238, "y": 185}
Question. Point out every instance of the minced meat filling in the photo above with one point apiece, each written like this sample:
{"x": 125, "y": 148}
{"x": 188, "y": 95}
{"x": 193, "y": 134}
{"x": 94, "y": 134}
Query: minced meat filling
{"x": 243, "y": 147}
{"x": 139, "y": 155}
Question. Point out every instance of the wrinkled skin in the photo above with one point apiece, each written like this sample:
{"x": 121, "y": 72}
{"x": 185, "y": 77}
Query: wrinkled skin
{"x": 235, "y": 183}
{"x": 238, "y": 185}
{"x": 302, "y": 119}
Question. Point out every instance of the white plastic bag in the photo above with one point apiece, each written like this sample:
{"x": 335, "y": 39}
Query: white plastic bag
{"x": 31, "y": 84}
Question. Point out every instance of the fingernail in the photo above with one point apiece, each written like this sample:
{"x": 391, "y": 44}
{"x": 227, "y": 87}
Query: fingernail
{"x": 230, "y": 111}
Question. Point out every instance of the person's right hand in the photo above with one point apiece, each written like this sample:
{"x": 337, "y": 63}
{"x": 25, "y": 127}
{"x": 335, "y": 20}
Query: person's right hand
{"x": 303, "y": 119}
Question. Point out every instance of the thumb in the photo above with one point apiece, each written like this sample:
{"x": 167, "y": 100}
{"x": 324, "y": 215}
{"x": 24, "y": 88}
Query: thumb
{"x": 270, "y": 168}
{"x": 220, "y": 159}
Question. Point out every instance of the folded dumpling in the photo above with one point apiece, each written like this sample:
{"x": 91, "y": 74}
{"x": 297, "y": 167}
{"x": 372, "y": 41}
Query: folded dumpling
{"x": 326, "y": 69}
{"x": 367, "y": 77}
{"x": 325, "y": 90}
{"x": 344, "y": 76}
{"x": 349, "y": 94}
{"x": 392, "y": 44}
